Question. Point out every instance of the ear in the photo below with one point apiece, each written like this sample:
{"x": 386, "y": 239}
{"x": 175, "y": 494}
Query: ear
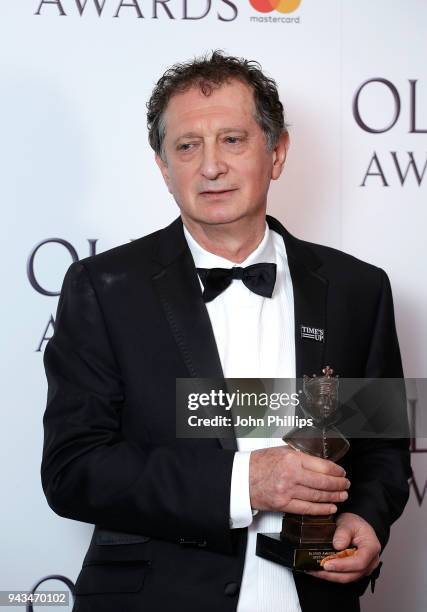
{"x": 164, "y": 170}
{"x": 279, "y": 155}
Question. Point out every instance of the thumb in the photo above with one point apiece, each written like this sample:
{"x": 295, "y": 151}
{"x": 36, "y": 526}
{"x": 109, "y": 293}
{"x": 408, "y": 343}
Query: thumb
{"x": 342, "y": 538}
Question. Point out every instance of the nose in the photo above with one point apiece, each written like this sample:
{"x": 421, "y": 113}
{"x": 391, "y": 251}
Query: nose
{"x": 212, "y": 163}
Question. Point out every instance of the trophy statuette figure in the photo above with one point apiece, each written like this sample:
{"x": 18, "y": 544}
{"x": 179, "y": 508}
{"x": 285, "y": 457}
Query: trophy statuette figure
{"x": 305, "y": 541}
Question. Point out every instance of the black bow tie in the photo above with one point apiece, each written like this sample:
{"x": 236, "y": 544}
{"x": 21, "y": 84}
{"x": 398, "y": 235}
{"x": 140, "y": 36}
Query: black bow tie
{"x": 259, "y": 278}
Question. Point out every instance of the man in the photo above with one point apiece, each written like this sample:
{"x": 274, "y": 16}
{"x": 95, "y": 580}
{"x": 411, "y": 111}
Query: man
{"x": 176, "y": 520}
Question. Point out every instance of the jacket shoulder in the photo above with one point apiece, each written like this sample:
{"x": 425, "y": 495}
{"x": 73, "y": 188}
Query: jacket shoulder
{"x": 335, "y": 257}
{"x": 124, "y": 255}
{"x": 347, "y": 271}
{"x": 328, "y": 261}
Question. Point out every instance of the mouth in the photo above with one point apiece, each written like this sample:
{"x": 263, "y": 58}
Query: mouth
{"x": 214, "y": 194}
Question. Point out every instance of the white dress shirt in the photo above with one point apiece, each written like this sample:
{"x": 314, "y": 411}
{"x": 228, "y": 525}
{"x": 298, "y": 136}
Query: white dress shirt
{"x": 255, "y": 339}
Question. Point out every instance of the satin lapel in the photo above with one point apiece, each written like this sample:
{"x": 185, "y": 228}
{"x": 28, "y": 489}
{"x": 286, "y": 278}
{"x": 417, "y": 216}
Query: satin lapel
{"x": 179, "y": 291}
{"x": 310, "y": 299}
{"x": 180, "y": 295}
{"x": 310, "y": 293}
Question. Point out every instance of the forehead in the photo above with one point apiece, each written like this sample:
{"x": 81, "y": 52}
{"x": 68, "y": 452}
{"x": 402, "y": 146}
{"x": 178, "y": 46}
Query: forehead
{"x": 231, "y": 102}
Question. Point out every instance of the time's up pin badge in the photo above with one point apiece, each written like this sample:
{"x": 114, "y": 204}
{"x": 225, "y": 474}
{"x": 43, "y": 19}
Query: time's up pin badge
{"x": 312, "y": 333}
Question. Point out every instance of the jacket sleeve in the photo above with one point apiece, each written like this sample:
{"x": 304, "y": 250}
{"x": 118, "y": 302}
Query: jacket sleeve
{"x": 379, "y": 469}
{"x": 89, "y": 471}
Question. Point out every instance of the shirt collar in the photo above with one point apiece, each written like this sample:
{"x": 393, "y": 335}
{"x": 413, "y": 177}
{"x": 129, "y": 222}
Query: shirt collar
{"x": 264, "y": 252}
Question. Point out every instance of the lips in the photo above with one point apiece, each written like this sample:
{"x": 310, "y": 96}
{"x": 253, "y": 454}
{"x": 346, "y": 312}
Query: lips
{"x": 216, "y": 191}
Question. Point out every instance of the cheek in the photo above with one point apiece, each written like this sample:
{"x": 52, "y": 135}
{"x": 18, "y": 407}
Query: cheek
{"x": 257, "y": 174}
{"x": 181, "y": 180}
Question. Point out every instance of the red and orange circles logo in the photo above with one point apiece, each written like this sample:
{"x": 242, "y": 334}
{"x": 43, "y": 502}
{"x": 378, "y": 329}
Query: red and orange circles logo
{"x": 282, "y": 6}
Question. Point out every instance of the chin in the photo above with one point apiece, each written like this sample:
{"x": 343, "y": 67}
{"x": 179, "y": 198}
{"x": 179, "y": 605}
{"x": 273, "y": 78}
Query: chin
{"x": 215, "y": 215}
{"x": 221, "y": 218}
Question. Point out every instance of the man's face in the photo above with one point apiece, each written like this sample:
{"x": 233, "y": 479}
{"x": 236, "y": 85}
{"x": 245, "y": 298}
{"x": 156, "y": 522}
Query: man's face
{"x": 217, "y": 164}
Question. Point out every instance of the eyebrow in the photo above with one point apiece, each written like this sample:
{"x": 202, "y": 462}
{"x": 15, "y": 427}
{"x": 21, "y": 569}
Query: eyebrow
{"x": 221, "y": 131}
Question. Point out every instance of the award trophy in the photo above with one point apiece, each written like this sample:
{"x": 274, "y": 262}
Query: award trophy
{"x": 307, "y": 540}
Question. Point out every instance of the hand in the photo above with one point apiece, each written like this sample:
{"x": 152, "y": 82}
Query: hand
{"x": 352, "y": 530}
{"x": 284, "y": 480}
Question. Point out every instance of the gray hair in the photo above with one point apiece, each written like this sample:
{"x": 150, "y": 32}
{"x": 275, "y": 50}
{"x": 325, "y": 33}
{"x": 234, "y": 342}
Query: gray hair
{"x": 208, "y": 73}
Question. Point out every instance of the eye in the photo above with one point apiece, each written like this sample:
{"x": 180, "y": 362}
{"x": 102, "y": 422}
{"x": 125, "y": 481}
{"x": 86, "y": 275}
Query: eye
{"x": 185, "y": 146}
{"x": 233, "y": 139}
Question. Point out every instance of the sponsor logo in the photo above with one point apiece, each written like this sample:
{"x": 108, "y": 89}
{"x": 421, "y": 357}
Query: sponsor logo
{"x": 281, "y": 6}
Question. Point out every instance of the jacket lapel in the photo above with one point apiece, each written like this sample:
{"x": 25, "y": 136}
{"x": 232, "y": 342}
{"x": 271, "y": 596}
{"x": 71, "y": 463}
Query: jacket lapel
{"x": 180, "y": 295}
{"x": 310, "y": 298}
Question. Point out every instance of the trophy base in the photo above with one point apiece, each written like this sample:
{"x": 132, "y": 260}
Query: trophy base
{"x": 276, "y": 548}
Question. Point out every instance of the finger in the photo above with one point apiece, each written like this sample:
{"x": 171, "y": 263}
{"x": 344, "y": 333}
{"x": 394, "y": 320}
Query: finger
{"x": 337, "y": 576}
{"x": 373, "y": 566}
{"x": 314, "y": 480}
{"x": 297, "y": 506}
{"x": 323, "y": 466}
{"x": 342, "y": 538}
{"x": 359, "y": 562}
{"x": 314, "y": 495}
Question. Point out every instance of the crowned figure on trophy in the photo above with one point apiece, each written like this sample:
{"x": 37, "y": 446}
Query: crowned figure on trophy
{"x": 320, "y": 403}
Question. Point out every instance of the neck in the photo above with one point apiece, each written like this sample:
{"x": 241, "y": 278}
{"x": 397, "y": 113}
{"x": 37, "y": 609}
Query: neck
{"x": 233, "y": 241}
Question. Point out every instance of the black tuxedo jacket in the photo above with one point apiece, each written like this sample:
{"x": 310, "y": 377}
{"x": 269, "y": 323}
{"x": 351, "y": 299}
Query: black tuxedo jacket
{"x": 129, "y": 322}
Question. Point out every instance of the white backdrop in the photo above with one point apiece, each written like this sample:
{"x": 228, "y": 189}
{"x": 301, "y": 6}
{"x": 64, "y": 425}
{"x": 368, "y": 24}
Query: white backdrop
{"x": 76, "y": 166}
